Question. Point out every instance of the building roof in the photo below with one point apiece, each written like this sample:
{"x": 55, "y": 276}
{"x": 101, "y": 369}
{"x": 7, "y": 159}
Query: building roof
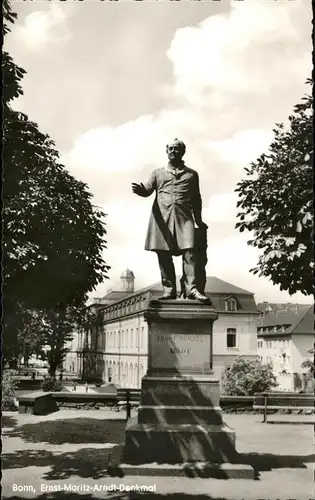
{"x": 111, "y": 296}
{"x": 306, "y": 325}
{"x": 295, "y": 320}
{"x": 215, "y": 285}
{"x": 217, "y": 290}
{"x": 266, "y": 307}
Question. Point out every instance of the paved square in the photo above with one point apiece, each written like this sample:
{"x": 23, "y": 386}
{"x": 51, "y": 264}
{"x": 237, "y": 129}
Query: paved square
{"x": 69, "y": 451}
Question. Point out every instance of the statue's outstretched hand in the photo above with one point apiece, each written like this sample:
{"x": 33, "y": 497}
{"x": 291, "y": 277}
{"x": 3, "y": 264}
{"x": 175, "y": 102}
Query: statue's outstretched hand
{"x": 138, "y": 189}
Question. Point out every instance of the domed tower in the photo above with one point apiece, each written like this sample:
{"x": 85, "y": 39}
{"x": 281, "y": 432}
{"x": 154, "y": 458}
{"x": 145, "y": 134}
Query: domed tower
{"x": 127, "y": 281}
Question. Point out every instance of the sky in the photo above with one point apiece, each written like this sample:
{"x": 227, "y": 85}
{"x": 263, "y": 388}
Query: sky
{"x": 113, "y": 82}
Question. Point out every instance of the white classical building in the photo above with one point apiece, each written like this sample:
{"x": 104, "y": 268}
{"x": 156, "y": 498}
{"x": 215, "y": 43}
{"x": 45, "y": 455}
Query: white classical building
{"x": 70, "y": 363}
{"x": 115, "y": 348}
{"x": 285, "y": 338}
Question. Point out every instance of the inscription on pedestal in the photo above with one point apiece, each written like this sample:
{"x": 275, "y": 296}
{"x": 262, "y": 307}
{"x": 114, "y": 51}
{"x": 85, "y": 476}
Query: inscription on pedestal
{"x": 179, "y": 350}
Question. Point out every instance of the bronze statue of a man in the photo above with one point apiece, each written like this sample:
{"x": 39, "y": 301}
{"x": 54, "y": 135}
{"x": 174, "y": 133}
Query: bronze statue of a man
{"x": 176, "y": 209}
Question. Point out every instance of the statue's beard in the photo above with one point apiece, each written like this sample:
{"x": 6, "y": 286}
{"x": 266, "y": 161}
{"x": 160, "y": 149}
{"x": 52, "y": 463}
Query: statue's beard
{"x": 175, "y": 160}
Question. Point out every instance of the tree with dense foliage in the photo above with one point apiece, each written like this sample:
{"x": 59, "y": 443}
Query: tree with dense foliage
{"x": 29, "y": 339}
{"x": 8, "y": 387}
{"x": 309, "y": 366}
{"x": 57, "y": 329}
{"x": 276, "y": 203}
{"x": 53, "y": 236}
{"x": 245, "y": 377}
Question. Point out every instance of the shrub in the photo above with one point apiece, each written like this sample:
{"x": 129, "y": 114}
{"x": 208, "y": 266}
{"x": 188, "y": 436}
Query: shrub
{"x": 245, "y": 377}
{"x": 51, "y": 385}
{"x": 9, "y": 386}
{"x": 12, "y": 372}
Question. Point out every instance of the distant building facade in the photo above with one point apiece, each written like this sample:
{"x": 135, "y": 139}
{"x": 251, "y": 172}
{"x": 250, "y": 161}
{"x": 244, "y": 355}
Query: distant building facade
{"x": 70, "y": 363}
{"x": 285, "y": 339}
{"x": 115, "y": 347}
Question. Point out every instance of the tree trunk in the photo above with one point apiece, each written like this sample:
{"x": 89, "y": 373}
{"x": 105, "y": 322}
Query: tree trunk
{"x": 52, "y": 371}
{"x": 26, "y": 358}
{"x": 51, "y": 358}
{"x": 13, "y": 364}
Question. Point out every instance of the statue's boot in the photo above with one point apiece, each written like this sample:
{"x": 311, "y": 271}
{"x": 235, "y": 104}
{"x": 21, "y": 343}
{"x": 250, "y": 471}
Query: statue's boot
{"x": 195, "y": 295}
{"x": 169, "y": 294}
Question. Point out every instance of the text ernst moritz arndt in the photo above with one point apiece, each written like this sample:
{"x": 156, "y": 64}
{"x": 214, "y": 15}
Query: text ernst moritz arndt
{"x": 98, "y": 487}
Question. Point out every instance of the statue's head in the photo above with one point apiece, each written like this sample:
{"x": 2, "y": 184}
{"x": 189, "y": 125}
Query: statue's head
{"x": 175, "y": 150}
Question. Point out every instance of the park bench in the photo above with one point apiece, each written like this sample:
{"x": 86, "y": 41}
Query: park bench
{"x": 282, "y": 401}
{"x": 236, "y": 403}
{"x": 129, "y": 398}
{"x": 37, "y": 403}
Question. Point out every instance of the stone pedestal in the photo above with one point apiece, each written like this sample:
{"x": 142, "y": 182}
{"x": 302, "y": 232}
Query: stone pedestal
{"x": 179, "y": 419}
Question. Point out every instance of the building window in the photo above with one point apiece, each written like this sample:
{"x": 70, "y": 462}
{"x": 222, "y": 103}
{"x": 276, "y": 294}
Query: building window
{"x": 231, "y": 305}
{"x": 231, "y": 337}
{"x": 142, "y": 336}
{"x": 131, "y": 337}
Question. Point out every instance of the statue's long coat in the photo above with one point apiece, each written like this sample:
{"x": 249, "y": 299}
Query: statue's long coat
{"x": 177, "y": 203}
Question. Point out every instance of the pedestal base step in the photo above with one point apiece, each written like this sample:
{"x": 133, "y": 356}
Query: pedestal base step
{"x": 191, "y": 470}
{"x": 180, "y": 415}
{"x": 147, "y": 443}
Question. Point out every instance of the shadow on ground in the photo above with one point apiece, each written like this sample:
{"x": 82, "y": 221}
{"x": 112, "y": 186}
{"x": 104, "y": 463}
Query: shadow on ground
{"x": 290, "y": 422}
{"x": 72, "y": 430}
{"x": 85, "y": 463}
{"x": 264, "y": 462}
{"x": 93, "y": 463}
{"x": 119, "y": 496}
{"x": 8, "y": 421}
